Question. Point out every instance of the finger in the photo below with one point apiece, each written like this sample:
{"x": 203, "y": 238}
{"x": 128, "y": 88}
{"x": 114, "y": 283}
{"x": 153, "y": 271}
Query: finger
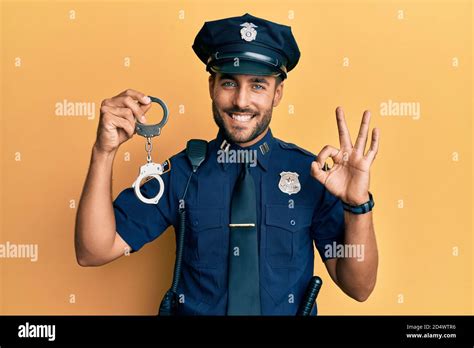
{"x": 127, "y": 102}
{"x": 318, "y": 173}
{"x": 361, "y": 141}
{"x": 138, "y": 96}
{"x": 327, "y": 151}
{"x": 132, "y": 99}
{"x": 120, "y": 112}
{"x": 374, "y": 145}
{"x": 122, "y": 123}
{"x": 344, "y": 136}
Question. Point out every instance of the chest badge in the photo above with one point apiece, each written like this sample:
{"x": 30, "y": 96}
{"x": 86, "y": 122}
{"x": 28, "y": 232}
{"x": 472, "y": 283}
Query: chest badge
{"x": 289, "y": 183}
{"x": 248, "y": 33}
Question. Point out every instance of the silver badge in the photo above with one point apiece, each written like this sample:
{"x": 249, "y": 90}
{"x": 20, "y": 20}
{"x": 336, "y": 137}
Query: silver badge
{"x": 248, "y": 33}
{"x": 289, "y": 183}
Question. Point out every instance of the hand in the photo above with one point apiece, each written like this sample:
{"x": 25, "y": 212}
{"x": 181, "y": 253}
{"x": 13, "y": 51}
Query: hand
{"x": 349, "y": 177}
{"x": 117, "y": 119}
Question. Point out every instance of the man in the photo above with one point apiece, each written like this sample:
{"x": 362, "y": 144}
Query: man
{"x": 249, "y": 236}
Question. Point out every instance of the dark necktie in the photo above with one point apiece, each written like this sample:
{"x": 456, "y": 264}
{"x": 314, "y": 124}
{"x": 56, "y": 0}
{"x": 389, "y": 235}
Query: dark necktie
{"x": 243, "y": 287}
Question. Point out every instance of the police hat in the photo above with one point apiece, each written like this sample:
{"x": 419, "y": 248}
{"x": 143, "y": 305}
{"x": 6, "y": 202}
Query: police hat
{"x": 247, "y": 45}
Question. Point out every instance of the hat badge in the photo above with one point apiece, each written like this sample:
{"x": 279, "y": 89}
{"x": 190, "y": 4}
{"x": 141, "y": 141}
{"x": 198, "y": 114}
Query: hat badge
{"x": 248, "y": 33}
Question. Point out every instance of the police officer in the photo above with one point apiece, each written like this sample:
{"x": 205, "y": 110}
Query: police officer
{"x": 256, "y": 205}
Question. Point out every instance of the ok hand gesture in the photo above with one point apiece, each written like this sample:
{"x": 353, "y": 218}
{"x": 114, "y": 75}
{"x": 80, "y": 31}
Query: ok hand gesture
{"x": 349, "y": 177}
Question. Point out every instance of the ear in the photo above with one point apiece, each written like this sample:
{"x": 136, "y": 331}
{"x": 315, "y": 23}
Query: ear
{"x": 211, "y": 86}
{"x": 278, "y": 94}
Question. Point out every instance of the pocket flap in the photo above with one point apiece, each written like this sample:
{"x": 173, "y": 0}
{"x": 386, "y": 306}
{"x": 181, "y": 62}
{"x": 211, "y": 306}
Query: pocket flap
{"x": 201, "y": 219}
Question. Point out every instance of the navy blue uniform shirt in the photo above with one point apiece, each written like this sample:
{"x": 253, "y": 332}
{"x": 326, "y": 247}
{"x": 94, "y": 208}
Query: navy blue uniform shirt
{"x": 287, "y": 225}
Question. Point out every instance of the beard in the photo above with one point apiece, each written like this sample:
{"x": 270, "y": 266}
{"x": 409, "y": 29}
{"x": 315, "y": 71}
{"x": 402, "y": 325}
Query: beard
{"x": 233, "y": 135}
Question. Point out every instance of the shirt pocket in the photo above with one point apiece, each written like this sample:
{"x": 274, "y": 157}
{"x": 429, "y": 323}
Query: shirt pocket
{"x": 287, "y": 234}
{"x": 204, "y": 240}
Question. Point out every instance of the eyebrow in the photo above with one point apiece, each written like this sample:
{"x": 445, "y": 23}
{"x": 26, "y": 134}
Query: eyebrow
{"x": 260, "y": 80}
{"x": 254, "y": 79}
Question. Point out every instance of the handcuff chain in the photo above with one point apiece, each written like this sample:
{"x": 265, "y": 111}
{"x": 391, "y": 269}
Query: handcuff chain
{"x": 148, "y": 148}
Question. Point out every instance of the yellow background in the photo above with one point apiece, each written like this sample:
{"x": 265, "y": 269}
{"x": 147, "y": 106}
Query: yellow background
{"x": 407, "y": 59}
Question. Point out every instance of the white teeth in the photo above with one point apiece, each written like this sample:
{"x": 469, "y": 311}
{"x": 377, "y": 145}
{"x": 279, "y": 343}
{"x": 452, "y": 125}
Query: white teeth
{"x": 241, "y": 118}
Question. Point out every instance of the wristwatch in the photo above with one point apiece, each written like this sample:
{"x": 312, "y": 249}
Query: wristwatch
{"x": 360, "y": 209}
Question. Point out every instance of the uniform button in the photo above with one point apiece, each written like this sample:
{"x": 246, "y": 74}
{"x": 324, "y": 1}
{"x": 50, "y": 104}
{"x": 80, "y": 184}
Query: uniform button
{"x": 195, "y": 222}
{"x": 292, "y": 222}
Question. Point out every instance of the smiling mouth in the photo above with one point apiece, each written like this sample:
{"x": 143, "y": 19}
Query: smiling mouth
{"x": 241, "y": 117}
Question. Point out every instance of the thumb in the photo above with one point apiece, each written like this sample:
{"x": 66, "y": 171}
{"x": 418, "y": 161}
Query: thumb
{"x": 146, "y": 107}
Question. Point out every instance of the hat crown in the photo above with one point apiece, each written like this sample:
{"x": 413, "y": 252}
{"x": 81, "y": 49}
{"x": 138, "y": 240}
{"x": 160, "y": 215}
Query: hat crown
{"x": 249, "y": 33}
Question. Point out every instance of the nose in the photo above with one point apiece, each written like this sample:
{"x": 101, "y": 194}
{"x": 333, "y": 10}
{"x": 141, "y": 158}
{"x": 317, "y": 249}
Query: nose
{"x": 241, "y": 98}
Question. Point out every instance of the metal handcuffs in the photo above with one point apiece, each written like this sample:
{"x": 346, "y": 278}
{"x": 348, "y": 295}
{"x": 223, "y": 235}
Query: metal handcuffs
{"x": 151, "y": 169}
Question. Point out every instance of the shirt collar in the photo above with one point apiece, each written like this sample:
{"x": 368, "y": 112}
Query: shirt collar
{"x": 262, "y": 148}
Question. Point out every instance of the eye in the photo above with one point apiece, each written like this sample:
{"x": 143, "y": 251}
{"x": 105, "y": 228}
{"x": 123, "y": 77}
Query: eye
{"x": 228, "y": 84}
{"x": 258, "y": 87}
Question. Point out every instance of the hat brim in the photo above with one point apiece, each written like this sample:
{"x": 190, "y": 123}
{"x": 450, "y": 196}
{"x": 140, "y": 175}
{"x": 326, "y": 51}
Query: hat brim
{"x": 244, "y": 67}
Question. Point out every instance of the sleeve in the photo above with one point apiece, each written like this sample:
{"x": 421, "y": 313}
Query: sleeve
{"x": 328, "y": 225}
{"x": 139, "y": 223}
